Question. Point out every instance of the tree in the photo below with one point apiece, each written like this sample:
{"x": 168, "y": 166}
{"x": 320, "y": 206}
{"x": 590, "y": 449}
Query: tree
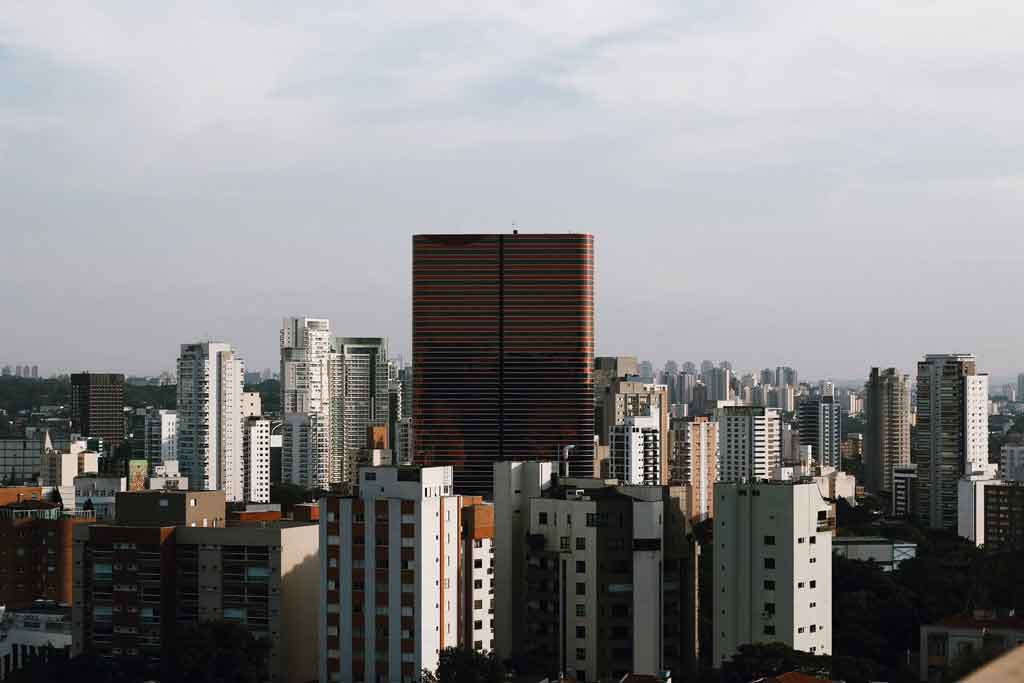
{"x": 762, "y": 660}
{"x": 217, "y": 652}
{"x": 463, "y": 665}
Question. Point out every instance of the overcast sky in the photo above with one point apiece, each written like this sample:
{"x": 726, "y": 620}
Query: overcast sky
{"x": 829, "y": 185}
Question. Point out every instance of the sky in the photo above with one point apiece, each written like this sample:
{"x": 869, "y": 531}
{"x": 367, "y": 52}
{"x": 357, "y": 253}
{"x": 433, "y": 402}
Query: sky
{"x": 825, "y": 185}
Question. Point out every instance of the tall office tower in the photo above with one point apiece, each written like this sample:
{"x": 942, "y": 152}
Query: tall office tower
{"x": 35, "y": 372}
{"x": 671, "y": 367}
{"x": 773, "y": 582}
{"x": 609, "y": 587}
{"x": 687, "y": 382}
{"x": 1020, "y": 386}
{"x": 821, "y": 422}
{"x": 405, "y": 375}
{"x": 693, "y": 462}
{"x": 608, "y": 369}
{"x": 161, "y": 436}
{"x": 365, "y": 396}
{"x": 689, "y": 368}
{"x": 391, "y": 567}
{"x": 515, "y": 484}
{"x": 887, "y": 438}
{"x": 256, "y": 460}
{"x": 749, "y": 442}
{"x": 706, "y": 365}
{"x": 503, "y": 350}
{"x": 635, "y": 450}
{"x": 951, "y": 435}
{"x": 210, "y": 418}
{"x": 786, "y": 375}
{"x": 767, "y": 376}
{"x": 311, "y": 386}
{"x": 395, "y": 413}
{"x": 726, "y": 365}
{"x": 719, "y": 384}
{"x": 785, "y": 398}
{"x": 97, "y": 407}
{"x": 646, "y": 370}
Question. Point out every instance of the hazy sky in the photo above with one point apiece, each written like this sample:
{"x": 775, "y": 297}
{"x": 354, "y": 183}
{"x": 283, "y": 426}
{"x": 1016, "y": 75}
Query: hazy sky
{"x": 828, "y": 185}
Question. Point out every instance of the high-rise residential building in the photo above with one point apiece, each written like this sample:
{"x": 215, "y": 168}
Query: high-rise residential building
{"x": 635, "y": 450}
{"x": 476, "y": 562}
{"x": 1020, "y": 385}
{"x": 503, "y": 349}
{"x": 786, "y": 376}
{"x": 693, "y": 463}
{"x": 1011, "y": 462}
{"x": 767, "y": 376}
{"x": 97, "y": 407}
{"x": 252, "y": 404}
{"x": 821, "y": 422}
{"x": 887, "y": 438}
{"x": 706, "y": 365}
{"x": 951, "y": 438}
{"x": 256, "y": 459}
{"x": 773, "y": 557}
{"x": 689, "y": 368}
{"x": 784, "y": 398}
{"x": 625, "y": 398}
{"x": 749, "y": 440}
{"x": 904, "y": 491}
{"x": 393, "y": 573}
{"x": 364, "y": 395}
{"x": 311, "y": 386}
{"x": 168, "y": 561}
{"x": 35, "y": 535}
{"x": 161, "y": 435}
{"x": 6, "y": 372}
{"x": 609, "y": 582}
{"x": 719, "y": 384}
{"x": 209, "y": 415}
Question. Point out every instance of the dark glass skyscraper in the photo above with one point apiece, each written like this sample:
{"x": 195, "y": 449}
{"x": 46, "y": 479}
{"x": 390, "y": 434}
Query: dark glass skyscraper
{"x": 503, "y": 349}
{"x": 97, "y": 407}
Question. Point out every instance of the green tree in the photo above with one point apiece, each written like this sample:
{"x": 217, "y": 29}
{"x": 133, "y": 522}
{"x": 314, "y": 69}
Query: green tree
{"x": 217, "y": 652}
{"x": 463, "y": 665}
{"x": 762, "y": 660}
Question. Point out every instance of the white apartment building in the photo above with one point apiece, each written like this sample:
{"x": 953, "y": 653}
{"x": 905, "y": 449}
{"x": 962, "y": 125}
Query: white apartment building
{"x": 635, "y": 450}
{"x": 252, "y": 404}
{"x": 951, "y": 438}
{"x": 694, "y": 462}
{"x": 209, "y": 418}
{"x": 161, "y": 434}
{"x": 970, "y": 519}
{"x": 515, "y": 484}
{"x": 477, "y": 564}
{"x": 390, "y": 575}
{"x": 99, "y": 494}
{"x": 749, "y": 443}
{"x": 166, "y": 476}
{"x": 773, "y": 573}
{"x": 311, "y": 386}
{"x": 1011, "y": 463}
{"x": 256, "y": 459}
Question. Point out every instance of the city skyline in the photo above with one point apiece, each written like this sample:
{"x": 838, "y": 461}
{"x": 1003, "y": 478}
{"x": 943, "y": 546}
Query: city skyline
{"x": 830, "y": 181}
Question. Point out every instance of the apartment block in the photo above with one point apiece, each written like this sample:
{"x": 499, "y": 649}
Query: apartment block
{"x": 773, "y": 567}
{"x": 954, "y": 637}
{"x": 694, "y": 462}
{"x": 1011, "y": 462}
{"x": 749, "y": 443}
{"x": 477, "y": 563}
{"x": 635, "y": 450}
{"x": 35, "y": 538}
{"x": 392, "y": 575}
{"x": 161, "y": 434}
{"x": 990, "y": 511}
{"x": 887, "y": 439}
{"x": 904, "y": 491}
{"x": 820, "y": 420}
{"x": 169, "y": 562}
{"x": 256, "y": 460}
{"x": 97, "y": 407}
{"x": 21, "y": 457}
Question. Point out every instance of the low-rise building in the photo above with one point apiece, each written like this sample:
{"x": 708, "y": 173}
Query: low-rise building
{"x": 885, "y": 552}
{"x": 990, "y": 631}
{"x": 98, "y": 494}
{"x": 169, "y": 561}
{"x": 32, "y": 634}
{"x": 990, "y": 511}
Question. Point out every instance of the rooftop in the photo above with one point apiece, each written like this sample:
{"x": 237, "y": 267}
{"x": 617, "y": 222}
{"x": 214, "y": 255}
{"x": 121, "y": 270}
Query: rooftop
{"x": 981, "y": 619}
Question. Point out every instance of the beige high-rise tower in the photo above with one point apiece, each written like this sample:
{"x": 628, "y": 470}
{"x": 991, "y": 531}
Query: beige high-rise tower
{"x": 887, "y": 441}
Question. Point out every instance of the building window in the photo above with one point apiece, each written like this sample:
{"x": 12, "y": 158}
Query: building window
{"x": 581, "y": 543}
{"x": 813, "y": 628}
{"x": 581, "y": 567}
{"x": 478, "y": 564}
{"x": 581, "y": 653}
{"x": 478, "y": 624}
{"x": 478, "y": 604}
{"x": 581, "y": 610}
{"x": 813, "y": 560}
{"x": 478, "y": 583}
{"x": 769, "y": 585}
{"x": 814, "y": 604}
{"x": 813, "y": 539}
{"x": 769, "y": 563}
{"x": 814, "y": 584}
{"x": 581, "y": 588}
{"x": 769, "y": 608}
{"x": 478, "y": 644}
{"x": 769, "y": 630}
{"x": 581, "y": 631}
{"x": 563, "y": 542}
{"x": 769, "y": 540}
{"x": 542, "y": 518}
{"x": 800, "y": 540}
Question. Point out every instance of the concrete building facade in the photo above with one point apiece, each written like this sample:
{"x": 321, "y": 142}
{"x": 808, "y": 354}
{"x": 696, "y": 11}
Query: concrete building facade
{"x": 887, "y": 439}
{"x": 694, "y": 462}
{"x": 749, "y": 441}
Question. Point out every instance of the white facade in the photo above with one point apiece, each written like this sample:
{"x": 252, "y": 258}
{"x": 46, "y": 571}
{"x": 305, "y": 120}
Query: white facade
{"x": 256, "y": 454}
{"x": 635, "y": 450}
{"x": 970, "y": 520}
{"x": 515, "y": 483}
{"x": 252, "y": 404}
{"x": 1011, "y": 463}
{"x": 420, "y": 515}
{"x": 975, "y": 423}
{"x": 161, "y": 427}
{"x": 99, "y": 493}
{"x": 311, "y": 384}
{"x": 749, "y": 443}
{"x": 209, "y": 418}
{"x": 166, "y": 476}
{"x": 773, "y": 582}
